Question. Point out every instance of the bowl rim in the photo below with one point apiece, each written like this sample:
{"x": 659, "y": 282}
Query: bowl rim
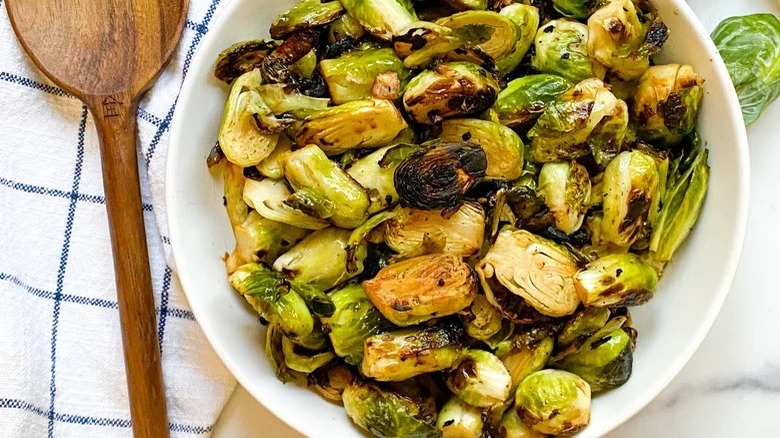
{"x": 636, "y": 404}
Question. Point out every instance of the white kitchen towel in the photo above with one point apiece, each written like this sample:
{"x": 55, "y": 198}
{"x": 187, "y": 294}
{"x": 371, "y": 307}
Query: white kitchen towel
{"x": 61, "y": 366}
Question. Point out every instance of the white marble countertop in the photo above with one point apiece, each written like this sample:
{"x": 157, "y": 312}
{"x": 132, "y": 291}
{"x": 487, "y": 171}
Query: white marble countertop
{"x": 731, "y": 386}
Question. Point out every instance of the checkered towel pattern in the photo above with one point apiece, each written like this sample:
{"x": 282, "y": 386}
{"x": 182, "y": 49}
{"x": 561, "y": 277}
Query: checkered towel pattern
{"x": 61, "y": 366}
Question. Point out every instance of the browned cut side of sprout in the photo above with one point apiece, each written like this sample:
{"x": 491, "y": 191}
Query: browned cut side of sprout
{"x": 241, "y": 58}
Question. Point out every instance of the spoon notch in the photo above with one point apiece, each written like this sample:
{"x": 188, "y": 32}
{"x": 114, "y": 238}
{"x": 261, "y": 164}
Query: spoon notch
{"x": 108, "y": 53}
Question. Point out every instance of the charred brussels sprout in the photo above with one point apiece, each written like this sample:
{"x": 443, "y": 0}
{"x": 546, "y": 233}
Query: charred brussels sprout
{"x": 411, "y": 232}
{"x": 241, "y": 58}
{"x": 586, "y": 118}
{"x": 305, "y": 15}
{"x": 622, "y": 38}
{"x": 275, "y": 355}
{"x": 503, "y": 148}
{"x": 565, "y": 189}
{"x": 382, "y": 18}
{"x": 320, "y": 259}
{"x": 282, "y": 99}
{"x": 240, "y": 137}
{"x": 536, "y": 269}
{"x": 330, "y": 380}
{"x": 282, "y": 65}
{"x": 525, "y": 99}
{"x": 616, "y": 280}
{"x": 402, "y": 354}
{"x": 480, "y": 380}
{"x": 304, "y": 361}
{"x": 582, "y": 324}
{"x": 421, "y": 288}
{"x": 630, "y": 197}
{"x": 554, "y": 402}
{"x": 484, "y": 319}
{"x": 324, "y": 190}
{"x": 526, "y": 18}
{"x": 449, "y": 90}
{"x": 562, "y": 49}
{"x": 345, "y": 27}
{"x": 579, "y": 9}
{"x": 511, "y": 426}
{"x": 260, "y": 239}
{"x": 369, "y": 123}
{"x": 504, "y": 34}
{"x": 458, "y": 419}
{"x": 269, "y": 198}
{"x": 666, "y": 103}
{"x": 439, "y": 177}
{"x": 422, "y": 41}
{"x": 352, "y": 75}
{"x": 355, "y": 320}
{"x": 527, "y": 355}
{"x": 376, "y": 178}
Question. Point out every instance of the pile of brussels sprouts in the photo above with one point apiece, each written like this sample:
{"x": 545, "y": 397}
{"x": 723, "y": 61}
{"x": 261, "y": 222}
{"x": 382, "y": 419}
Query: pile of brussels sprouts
{"x": 443, "y": 210}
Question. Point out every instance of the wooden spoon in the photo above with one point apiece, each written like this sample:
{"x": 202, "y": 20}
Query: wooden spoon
{"x": 107, "y": 53}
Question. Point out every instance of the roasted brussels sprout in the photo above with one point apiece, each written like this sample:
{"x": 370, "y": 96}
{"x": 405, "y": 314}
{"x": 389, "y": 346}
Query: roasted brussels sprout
{"x": 323, "y": 189}
{"x": 480, "y": 380}
{"x": 240, "y": 137}
{"x": 320, "y": 259}
{"x": 345, "y": 28}
{"x": 271, "y": 166}
{"x": 233, "y": 184}
{"x": 458, "y": 419}
{"x": 386, "y": 413}
{"x": 351, "y": 76}
{"x": 585, "y": 322}
{"x": 304, "y": 361}
{"x": 503, "y": 148}
{"x": 616, "y": 280}
{"x": 273, "y": 350}
{"x": 305, "y": 15}
{"x": 369, "y": 123}
{"x": 282, "y": 98}
{"x": 280, "y": 65}
{"x": 484, "y": 320}
{"x": 422, "y": 41}
{"x": 524, "y": 99}
{"x": 622, "y": 38}
{"x": 439, "y": 177}
{"x": 579, "y": 9}
{"x": 666, "y": 103}
{"x": 382, "y": 18}
{"x": 406, "y": 353}
{"x": 467, "y": 5}
{"x": 260, "y": 239}
{"x": 630, "y": 197}
{"x": 536, "y": 269}
{"x": 554, "y": 402}
{"x": 449, "y": 90}
{"x": 527, "y": 355}
{"x": 565, "y": 189}
{"x": 526, "y": 18}
{"x": 330, "y": 380}
{"x": 268, "y": 197}
{"x": 562, "y": 49}
{"x": 240, "y": 58}
{"x": 421, "y": 288}
{"x": 511, "y": 426}
{"x": 376, "y": 178}
{"x": 587, "y": 115}
{"x": 503, "y": 38}
{"x": 355, "y": 320}
{"x": 412, "y": 231}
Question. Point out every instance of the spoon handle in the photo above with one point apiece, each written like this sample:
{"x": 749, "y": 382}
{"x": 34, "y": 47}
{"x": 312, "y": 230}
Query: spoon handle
{"x": 116, "y": 126}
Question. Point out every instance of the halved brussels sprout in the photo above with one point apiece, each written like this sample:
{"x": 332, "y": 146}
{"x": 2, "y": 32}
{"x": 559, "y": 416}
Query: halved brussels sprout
{"x": 587, "y": 115}
{"x": 579, "y": 9}
{"x": 323, "y": 189}
{"x": 233, "y": 181}
{"x": 524, "y": 99}
{"x": 460, "y": 232}
{"x": 304, "y": 361}
{"x": 562, "y": 49}
{"x": 239, "y": 135}
{"x": 402, "y": 354}
{"x": 616, "y": 280}
{"x": 275, "y": 355}
{"x": 630, "y": 197}
{"x": 386, "y": 413}
{"x": 585, "y": 322}
{"x": 345, "y": 27}
{"x": 382, "y": 18}
{"x": 352, "y": 75}
{"x": 459, "y": 420}
{"x": 480, "y": 380}
{"x": 305, "y": 15}
{"x": 527, "y": 355}
{"x": 565, "y": 189}
{"x": 280, "y": 65}
{"x": 483, "y": 320}
{"x": 554, "y": 402}
{"x": 376, "y": 179}
{"x": 526, "y": 18}
{"x": 330, "y": 380}
{"x": 271, "y": 166}
{"x": 241, "y": 58}
{"x": 268, "y": 197}
{"x": 449, "y": 90}
{"x": 320, "y": 259}
{"x": 260, "y": 239}
{"x": 511, "y": 426}
{"x": 503, "y": 38}
{"x": 369, "y": 123}
{"x": 666, "y": 103}
{"x": 622, "y": 38}
{"x": 282, "y": 98}
{"x": 305, "y": 67}
{"x": 355, "y": 320}
{"x": 421, "y": 288}
{"x": 503, "y": 148}
{"x": 534, "y": 268}
{"x": 422, "y": 41}
{"x": 439, "y": 177}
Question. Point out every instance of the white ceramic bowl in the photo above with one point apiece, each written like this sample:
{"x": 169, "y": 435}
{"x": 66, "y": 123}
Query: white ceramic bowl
{"x": 671, "y": 326}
